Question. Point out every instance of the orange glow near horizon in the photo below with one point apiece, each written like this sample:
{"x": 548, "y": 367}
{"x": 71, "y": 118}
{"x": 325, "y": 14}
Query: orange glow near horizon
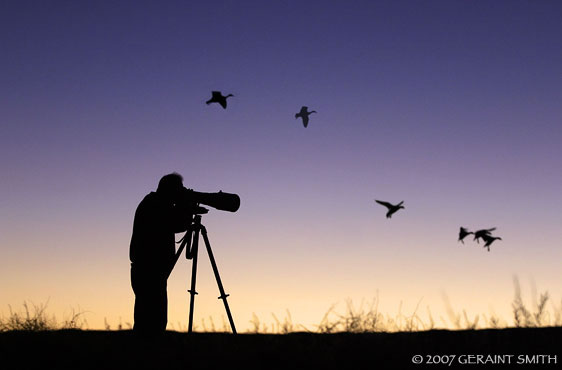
{"x": 305, "y": 288}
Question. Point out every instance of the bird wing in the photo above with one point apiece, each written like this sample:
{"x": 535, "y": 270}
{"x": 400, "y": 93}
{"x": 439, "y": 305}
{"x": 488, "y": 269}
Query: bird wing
{"x": 386, "y": 204}
{"x": 484, "y": 231}
{"x": 305, "y": 120}
{"x": 216, "y": 94}
{"x": 304, "y": 110}
{"x": 223, "y": 103}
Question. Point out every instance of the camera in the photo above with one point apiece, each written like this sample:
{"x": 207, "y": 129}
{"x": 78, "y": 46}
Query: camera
{"x": 220, "y": 200}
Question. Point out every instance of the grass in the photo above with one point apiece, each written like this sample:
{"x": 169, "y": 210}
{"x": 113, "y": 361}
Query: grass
{"x": 523, "y": 317}
{"x": 364, "y": 318}
{"x": 34, "y": 317}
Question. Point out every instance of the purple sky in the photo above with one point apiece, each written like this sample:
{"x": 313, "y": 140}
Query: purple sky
{"x": 452, "y": 106}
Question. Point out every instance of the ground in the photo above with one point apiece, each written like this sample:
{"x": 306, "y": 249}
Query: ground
{"x": 85, "y": 349}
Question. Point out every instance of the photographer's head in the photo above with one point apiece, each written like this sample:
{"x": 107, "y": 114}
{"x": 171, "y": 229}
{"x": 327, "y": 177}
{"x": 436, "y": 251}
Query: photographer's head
{"x": 171, "y": 186}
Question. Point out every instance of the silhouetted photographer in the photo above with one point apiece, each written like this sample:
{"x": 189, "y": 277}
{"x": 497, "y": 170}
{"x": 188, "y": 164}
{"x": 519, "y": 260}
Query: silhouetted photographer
{"x": 159, "y": 216}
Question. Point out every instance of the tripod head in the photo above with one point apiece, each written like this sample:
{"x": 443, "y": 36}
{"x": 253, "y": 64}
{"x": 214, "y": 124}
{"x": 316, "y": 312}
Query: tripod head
{"x": 191, "y": 236}
{"x": 198, "y": 210}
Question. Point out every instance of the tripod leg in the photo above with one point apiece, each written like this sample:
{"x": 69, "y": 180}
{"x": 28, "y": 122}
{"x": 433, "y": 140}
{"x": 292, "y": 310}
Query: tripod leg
{"x": 192, "y": 292}
{"x": 186, "y": 240}
{"x": 217, "y": 276}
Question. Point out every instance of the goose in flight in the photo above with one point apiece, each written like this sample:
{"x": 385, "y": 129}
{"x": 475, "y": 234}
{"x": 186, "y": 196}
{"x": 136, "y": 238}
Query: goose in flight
{"x": 218, "y": 98}
{"x": 304, "y": 113}
{"x": 463, "y": 233}
{"x": 481, "y": 233}
{"x": 391, "y": 207}
{"x": 489, "y": 239}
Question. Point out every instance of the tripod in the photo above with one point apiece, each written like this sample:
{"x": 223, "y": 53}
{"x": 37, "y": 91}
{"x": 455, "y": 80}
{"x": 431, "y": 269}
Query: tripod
{"x": 196, "y": 229}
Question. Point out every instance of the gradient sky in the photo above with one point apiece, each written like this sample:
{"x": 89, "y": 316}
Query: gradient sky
{"x": 452, "y": 106}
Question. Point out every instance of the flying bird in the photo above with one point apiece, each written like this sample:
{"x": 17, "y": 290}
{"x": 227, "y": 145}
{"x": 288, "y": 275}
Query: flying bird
{"x": 489, "y": 239}
{"x": 391, "y": 207}
{"x": 481, "y": 233}
{"x": 463, "y": 233}
{"x": 304, "y": 113}
{"x": 218, "y": 98}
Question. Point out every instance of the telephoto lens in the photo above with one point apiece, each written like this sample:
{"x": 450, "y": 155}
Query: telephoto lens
{"x": 222, "y": 201}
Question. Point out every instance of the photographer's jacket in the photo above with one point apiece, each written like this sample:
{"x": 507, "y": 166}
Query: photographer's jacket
{"x": 153, "y": 240}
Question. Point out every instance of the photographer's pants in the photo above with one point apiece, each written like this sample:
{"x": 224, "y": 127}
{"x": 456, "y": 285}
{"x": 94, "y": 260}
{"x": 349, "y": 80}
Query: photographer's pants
{"x": 151, "y": 300}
